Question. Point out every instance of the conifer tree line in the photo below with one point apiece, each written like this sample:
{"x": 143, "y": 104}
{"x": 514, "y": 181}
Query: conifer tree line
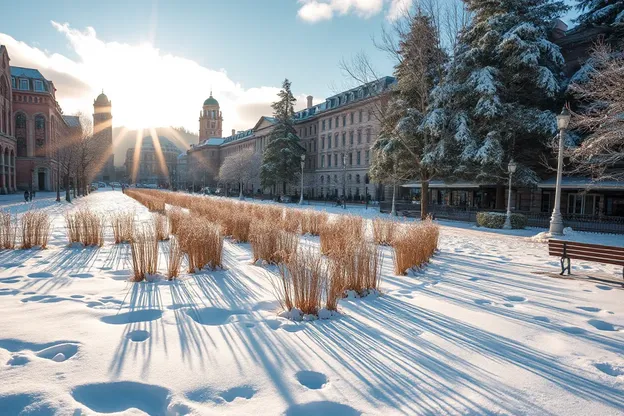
{"x": 464, "y": 113}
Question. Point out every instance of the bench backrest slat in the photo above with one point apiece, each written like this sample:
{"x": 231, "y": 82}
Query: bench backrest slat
{"x": 584, "y": 251}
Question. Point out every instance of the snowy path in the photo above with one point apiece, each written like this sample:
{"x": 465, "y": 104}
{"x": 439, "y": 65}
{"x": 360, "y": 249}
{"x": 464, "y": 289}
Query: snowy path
{"x": 476, "y": 333}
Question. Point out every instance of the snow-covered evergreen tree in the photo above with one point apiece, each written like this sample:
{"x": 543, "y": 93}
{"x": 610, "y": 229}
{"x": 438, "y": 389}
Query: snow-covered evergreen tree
{"x": 498, "y": 99}
{"x": 402, "y": 147}
{"x": 600, "y": 12}
{"x": 281, "y": 158}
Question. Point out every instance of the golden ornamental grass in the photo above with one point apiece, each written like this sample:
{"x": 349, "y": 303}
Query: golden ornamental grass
{"x": 86, "y": 227}
{"x": 35, "y": 227}
{"x": 8, "y": 230}
{"x": 414, "y": 245}
{"x": 174, "y": 258}
{"x": 175, "y": 217}
{"x": 302, "y": 281}
{"x": 383, "y": 231}
{"x": 338, "y": 233}
{"x": 161, "y": 227}
{"x": 357, "y": 268}
{"x": 144, "y": 253}
{"x": 312, "y": 222}
{"x": 202, "y": 243}
{"x": 123, "y": 226}
{"x": 270, "y": 243}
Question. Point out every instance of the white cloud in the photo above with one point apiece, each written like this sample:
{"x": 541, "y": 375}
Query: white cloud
{"x": 147, "y": 87}
{"x": 317, "y": 10}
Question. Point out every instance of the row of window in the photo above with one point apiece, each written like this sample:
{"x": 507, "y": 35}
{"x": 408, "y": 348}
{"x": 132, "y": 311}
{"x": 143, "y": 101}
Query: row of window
{"x": 307, "y": 131}
{"x": 344, "y": 139}
{"x": 326, "y": 180}
{"x": 24, "y": 84}
{"x": 347, "y": 160}
{"x": 344, "y": 120}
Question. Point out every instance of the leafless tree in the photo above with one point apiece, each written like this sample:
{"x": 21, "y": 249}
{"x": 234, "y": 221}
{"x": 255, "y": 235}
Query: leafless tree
{"x": 241, "y": 167}
{"x": 600, "y": 118}
{"x": 87, "y": 156}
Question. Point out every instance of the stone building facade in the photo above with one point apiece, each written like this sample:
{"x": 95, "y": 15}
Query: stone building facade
{"x": 336, "y": 134}
{"x": 154, "y": 164}
{"x": 103, "y": 132}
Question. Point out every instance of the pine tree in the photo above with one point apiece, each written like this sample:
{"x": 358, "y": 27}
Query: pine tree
{"x": 600, "y": 12}
{"x": 498, "y": 99}
{"x": 281, "y": 158}
{"x": 403, "y": 146}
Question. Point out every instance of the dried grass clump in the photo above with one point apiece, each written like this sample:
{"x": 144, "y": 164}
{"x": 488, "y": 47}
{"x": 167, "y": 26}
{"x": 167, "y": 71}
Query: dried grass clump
{"x": 8, "y": 230}
{"x": 336, "y": 235}
{"x": 312, "y": 222}
{"x": 123, "y": 226}
{"x": 414, "y": 245}
{"x": 241, "y": 227}
{"x": 302, "y": 280}
{"x": 35, "y": 229}
{"x": 358, "y": 268}
{"x": 161, "y": 228}
{"x": 383, "y": 231}
{"x": 174, "y": 258}
{"x": 86, "y": 227}
{"x": 291, "y": 222}
{"x": 175, "y": 216}
{"x": 144, "y": 251}
{"x": 202, "y": 243}
{"x": 271, "y": 244}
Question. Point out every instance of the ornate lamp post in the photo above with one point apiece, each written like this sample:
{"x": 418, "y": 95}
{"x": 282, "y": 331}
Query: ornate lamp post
{"x": 556, "y": 221}
{"x": 511, "y": 168}
{"x": 302, "y": 164}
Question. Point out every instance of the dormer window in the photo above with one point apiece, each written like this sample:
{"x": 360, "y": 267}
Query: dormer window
{"x": 39, "y": 86}
{"x": 13, "y": 83}
{"x": 23, "y": 84}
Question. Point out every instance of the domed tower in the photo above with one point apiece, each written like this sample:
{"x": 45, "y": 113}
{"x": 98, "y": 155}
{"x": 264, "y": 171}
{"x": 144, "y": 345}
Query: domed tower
{"x": 210, "y": 120}
{"x": 103, "y": 132}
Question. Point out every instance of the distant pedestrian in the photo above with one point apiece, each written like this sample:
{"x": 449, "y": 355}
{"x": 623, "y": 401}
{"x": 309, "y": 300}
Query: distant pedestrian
{"x": 26, "y": 196}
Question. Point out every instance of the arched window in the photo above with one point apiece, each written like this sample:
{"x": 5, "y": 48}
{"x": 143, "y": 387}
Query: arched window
{"x": 40, "y": 136}
{"x": 20, "y": 135}
{"x": 357, "y": 178}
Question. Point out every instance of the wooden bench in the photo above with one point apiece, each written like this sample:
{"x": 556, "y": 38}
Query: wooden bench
{"x": 567, "y": 250}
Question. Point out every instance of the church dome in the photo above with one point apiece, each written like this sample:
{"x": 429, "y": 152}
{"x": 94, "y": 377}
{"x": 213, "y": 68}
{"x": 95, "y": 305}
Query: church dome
{"x": 211, "y": 101}
{"x": 102, "y": 99}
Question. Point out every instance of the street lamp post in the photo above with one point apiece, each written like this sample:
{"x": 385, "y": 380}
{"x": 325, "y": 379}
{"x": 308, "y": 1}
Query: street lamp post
{"x": 556, "y": 221}
{"x": 302, "y": 164}
{"x": 511, "y": 168}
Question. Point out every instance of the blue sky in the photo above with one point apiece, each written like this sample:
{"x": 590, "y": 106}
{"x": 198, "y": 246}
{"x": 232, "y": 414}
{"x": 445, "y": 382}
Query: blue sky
{"x": 243, "y": 49}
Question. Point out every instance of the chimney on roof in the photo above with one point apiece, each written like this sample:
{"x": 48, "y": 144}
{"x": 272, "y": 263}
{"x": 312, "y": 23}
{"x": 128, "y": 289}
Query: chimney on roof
{"x": 233, "y": 132}
{"x": 310, "y": 101}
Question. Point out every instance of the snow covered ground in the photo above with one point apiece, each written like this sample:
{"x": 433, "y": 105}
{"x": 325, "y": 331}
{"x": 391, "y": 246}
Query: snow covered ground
{"x": 477, "y": 332}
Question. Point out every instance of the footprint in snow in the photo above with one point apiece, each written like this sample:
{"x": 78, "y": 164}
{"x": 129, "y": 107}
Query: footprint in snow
{"x": 603, "y": 287}
{"x": 589, "y": 308}
{"x": 40, "y": 275}
{"x": 138, "y": 335}
{"x": 541, "y": 319}
{"x": 243, "y": 392}
{"x": 574, "y": 330}
{"x": 601, "y": 325}
{"x": 610, "y": 369}
{"x": 482, "y": 302}
{"x": 515, "y": 298}
{"x": 311, "y": 379}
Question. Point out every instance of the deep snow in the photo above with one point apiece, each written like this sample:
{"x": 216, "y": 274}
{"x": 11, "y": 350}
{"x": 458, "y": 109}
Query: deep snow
{"x": 476, "y": 332}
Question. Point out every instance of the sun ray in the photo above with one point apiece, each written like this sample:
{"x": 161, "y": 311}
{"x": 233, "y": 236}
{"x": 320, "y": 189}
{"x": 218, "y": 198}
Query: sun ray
{"x": 159, "y": 154}
{"x": 136, "y": 158}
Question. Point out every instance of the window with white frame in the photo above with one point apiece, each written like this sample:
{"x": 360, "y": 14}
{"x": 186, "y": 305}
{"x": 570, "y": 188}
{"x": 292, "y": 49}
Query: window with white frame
{"x": 39, "y": 86}
{"x": 23, "y": 85}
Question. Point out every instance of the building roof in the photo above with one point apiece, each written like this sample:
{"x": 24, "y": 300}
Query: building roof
{"x": 211, "y": 101}
{"x": 165, "y": 144}
{"x": 72, "y": 121}
{"x": 572, "y": 182}
{"x": 18, "y": 71}
{"x": 102, "y": 99}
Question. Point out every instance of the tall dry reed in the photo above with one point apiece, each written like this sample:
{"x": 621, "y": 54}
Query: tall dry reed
{"x": 303, "y": 276}
{"x": 357, "y": 268}
{"x": 174, "y": 258}
{"x": 161, "y": 227}
{"x": 123, "y": 226}
{"x": 202, "y": 243}
{"x": 8, "y": 230}
{"x": 144, "y": 252}
{"x": 414, "y": 245}
{"x": 338, "y": 233}
{"x": 312, "y": 222}
{"x": 383, "y": 231}
{"x": 271, "y": 244}
{"x": 86, "y": 227}
{"x": 35, "y": 226}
